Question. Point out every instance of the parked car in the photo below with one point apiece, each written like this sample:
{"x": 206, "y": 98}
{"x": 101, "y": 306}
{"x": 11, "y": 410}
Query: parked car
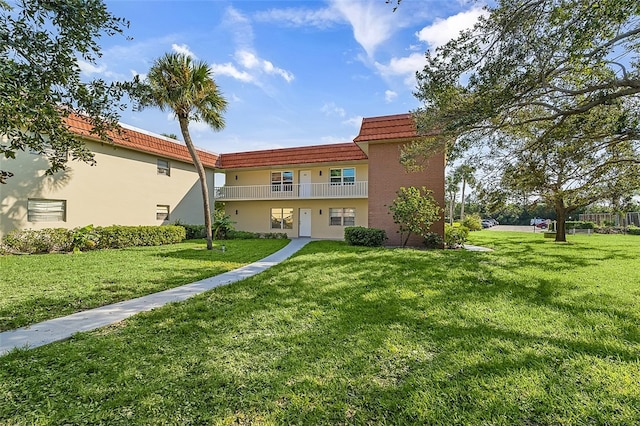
{"x": 486, "y": 223}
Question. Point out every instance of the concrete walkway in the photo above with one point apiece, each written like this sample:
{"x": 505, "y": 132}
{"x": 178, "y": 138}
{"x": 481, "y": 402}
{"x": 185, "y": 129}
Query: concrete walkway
{"x": 62, "y": 328}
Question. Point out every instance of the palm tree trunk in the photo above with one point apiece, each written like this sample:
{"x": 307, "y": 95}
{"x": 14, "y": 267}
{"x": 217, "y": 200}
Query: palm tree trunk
{"x": 462, "y": 201}
{"x": 184, "y": 127}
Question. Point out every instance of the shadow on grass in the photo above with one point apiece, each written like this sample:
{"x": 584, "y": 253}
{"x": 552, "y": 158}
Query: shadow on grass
{"x": 346, "y": 335}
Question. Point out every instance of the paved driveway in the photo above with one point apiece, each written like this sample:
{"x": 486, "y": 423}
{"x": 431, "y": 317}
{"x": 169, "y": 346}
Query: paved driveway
{"x": 516, "y": 228}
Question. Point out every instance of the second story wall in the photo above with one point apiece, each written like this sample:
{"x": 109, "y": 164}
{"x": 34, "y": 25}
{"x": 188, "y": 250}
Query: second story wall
{"x": 125, "y": 187}
{"x": 319, "y": 174}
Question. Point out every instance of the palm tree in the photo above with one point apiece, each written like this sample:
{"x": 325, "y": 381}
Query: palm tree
{"x": 451, "y": 184}
{"x": 465, "y": 174}
{"x": 186, "y": 87}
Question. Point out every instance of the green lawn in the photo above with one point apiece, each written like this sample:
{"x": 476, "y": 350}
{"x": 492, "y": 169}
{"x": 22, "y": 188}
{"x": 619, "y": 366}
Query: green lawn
{"x": 40, "y": 287}
{"x": 534, "y": 333}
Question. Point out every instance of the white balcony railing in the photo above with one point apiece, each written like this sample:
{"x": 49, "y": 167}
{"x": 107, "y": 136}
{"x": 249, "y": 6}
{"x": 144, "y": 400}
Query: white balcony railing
{"x": 292, "y": 191}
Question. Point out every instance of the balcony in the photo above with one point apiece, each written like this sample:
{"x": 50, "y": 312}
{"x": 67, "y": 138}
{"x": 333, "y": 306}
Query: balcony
{"x": 292, "y": 191}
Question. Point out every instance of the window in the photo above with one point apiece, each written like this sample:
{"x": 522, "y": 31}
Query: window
{"x": 46, "y": 210}
{"x": 282, "y": 218}
{"x": 281, "y": 181}
{"x": 163, "y": 168}
{"x": 342, "y": 217}
{"x": 162, "y": 212}
{"x": 342, "y": 176}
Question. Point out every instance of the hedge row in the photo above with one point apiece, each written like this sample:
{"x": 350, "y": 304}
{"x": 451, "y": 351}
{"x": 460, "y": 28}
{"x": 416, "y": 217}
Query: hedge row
{"x": 579, "y": 224}
{"x": 361, "y": 236}
{"x": 52, "y": 240}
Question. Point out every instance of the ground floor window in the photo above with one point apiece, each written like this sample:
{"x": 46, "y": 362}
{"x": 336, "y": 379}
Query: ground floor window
{"x": 46, "y": 210}
{"x": 342, "y": 217}
{"x": 162, "y": 212}
{"x": 282, "y": 218}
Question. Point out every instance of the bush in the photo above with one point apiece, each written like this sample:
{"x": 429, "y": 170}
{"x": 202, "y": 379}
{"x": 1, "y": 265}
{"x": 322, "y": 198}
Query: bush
{"x": 222, "y": 225}
{"x": 52, "y": 240}
{"x": 473, "y": 222}
{"x": 633, "y": 230}
{"x": 433, "y": 240}
{"x": 455, "y": 236}
{"x": 31, "y": 241}
{"x": 361, "y": 236}
{"x": 272, "y": 235}
{"x": 579, "y": 224}
{"x": 193, "y": 232}
{"x": 241, "y": 235}
{"x": 129, "y": 236}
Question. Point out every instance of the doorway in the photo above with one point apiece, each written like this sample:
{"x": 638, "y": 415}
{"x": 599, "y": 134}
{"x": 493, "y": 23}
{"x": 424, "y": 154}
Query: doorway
{"x": 305, "y": 223}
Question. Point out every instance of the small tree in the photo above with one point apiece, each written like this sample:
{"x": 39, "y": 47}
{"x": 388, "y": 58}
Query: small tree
{"x": 414, "y": 210}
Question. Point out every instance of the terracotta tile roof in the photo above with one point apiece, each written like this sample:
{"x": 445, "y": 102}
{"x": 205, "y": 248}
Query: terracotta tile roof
{"x": 140, "y": 141}
{"x": 289, "y": 156}
{"x": 400, "y": 126}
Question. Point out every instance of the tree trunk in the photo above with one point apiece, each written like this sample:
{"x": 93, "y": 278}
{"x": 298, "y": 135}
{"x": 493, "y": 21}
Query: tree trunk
{"x": 561, "y": 218}
{"x": 462, "y": 201}
{"x": 452, "y": 207}
{"x": 184, "y": 127}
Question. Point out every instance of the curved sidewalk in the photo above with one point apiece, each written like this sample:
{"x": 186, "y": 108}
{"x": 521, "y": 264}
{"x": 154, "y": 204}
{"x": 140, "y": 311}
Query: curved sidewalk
{"x": 62, "y": 328}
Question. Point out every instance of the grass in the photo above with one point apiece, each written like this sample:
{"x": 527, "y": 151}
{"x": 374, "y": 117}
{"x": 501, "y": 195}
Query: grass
{"x": 533, "y": 333}
{"x": 40, "y": 287}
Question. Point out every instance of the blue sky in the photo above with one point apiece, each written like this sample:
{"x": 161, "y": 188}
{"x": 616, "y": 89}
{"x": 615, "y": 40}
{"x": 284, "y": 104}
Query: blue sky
{"x": 294, "y": 72}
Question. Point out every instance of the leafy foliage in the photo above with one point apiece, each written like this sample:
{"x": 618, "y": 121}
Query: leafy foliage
{"x": 43, "y": 45}
{"x": 222, "y": 225}
{"x": 472, "y": 222}
{"x": 361, "y": 236}
{"x": 547, "y": 95}
{"x": 414, "y": 210}
{"x": 455, "y": 236}
{"x": 51, "y": 240}
{"x": 433, "y": 240}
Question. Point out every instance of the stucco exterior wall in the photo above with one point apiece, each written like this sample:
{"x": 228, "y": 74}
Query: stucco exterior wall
{"x": 387, "y": 175}
{"x": 124, "y": 188}
{"x": 255, "y": 216}
{"x": 319, "y": 174}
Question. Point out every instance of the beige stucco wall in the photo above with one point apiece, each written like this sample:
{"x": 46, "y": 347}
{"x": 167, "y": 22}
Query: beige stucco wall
{"x": 255, "y": 216}
{"x": 263, "y": 176}
{"x": 123, "y": 189}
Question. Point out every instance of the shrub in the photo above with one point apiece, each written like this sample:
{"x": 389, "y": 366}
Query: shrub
{"x": 633, "y": 230}
{"x": 455, "y": 236}
{"x": 222, "y": 225}
{"x": 51, "y": 240}
{"x": 433, "y": 240}
{"x": 272, "y": 235}
{"x": 361, "y": 236}
{"x": 473, "y": 222}
{"x": 241, "y": 235}
{"x": 579, "y": 224}
{"x": 193, "y": 232}
{"x": 31, "y": 241}
{"x": 128, "y": 236}
{"x": 85, "y": 238}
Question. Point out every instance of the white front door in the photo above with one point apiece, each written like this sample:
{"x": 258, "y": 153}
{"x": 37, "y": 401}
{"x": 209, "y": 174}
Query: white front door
{"x": 305, "y": 183}
{"x": 305, "y": 223}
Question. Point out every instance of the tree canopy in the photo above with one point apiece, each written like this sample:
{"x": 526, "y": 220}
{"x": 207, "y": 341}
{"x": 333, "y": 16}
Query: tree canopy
{"x": 41, "y": 45}
{"x": 548, "y": 89}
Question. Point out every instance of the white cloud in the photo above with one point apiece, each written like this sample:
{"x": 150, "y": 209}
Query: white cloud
{"x": 331, "y": 109}
{"x": 230, "y": 70}
{"x": 372, "y": 21}
{"x": 87, "y": 68}
{"x": 320, "y": 18}
{"x": 390, "y": 96}
{"x": 245, "y": 55}
{"x": 183, "y": 49}
{"x": 443, "y": 30}
{"x": 354, "y": 121}
{"x": 403, "y": 67}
